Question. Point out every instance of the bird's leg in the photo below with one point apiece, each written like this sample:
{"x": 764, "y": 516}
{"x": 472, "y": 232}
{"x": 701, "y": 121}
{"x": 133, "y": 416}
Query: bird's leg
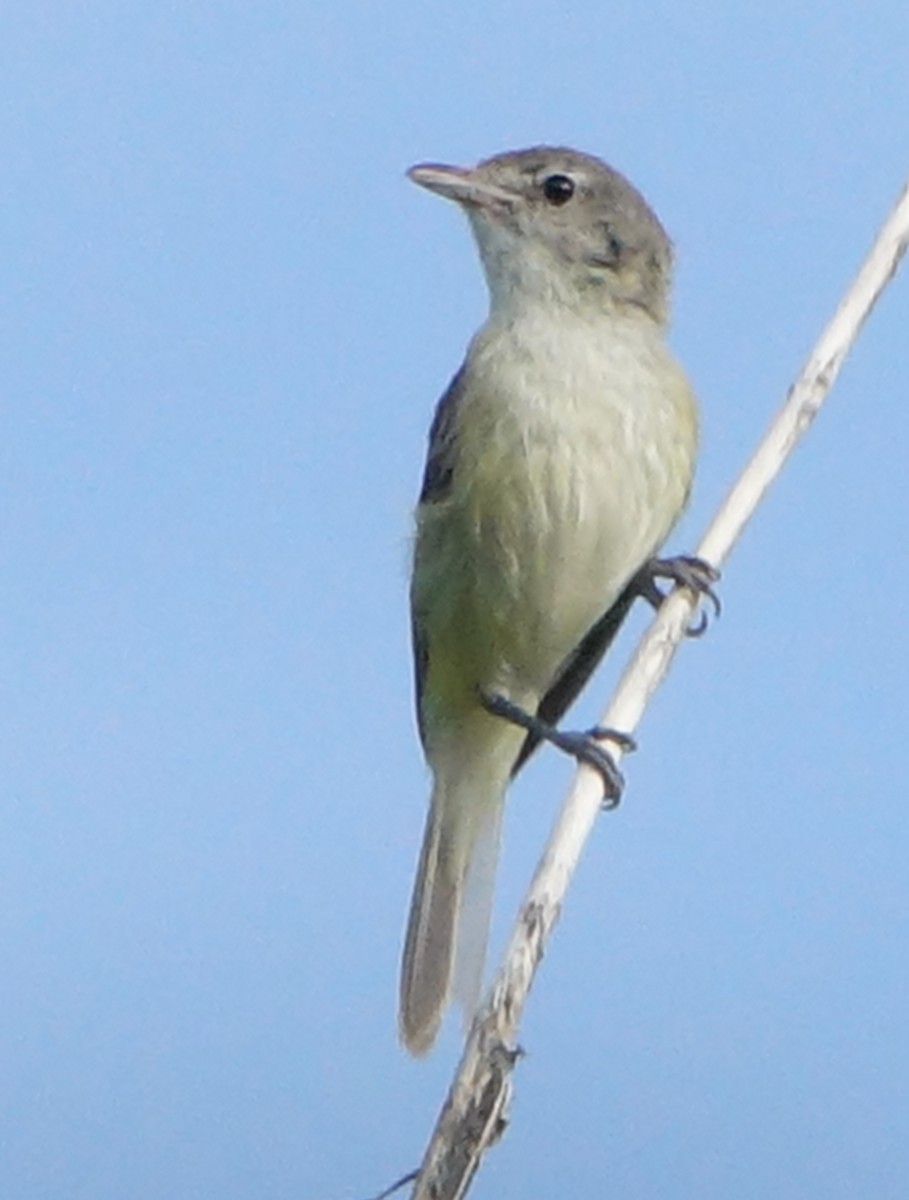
{"x": 684, "y": 570}
{"x": 582, "y": 746}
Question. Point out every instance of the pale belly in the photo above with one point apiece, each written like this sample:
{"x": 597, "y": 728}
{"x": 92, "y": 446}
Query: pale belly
{"x": 539, "y": 545}
{"x": 553, "y": 506}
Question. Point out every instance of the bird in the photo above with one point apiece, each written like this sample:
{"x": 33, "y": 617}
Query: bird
{"x": 560, "y": 457}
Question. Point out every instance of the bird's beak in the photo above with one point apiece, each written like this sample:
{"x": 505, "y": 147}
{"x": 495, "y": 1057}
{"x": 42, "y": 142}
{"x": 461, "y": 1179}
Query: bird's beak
{"x": 462, "y": 185}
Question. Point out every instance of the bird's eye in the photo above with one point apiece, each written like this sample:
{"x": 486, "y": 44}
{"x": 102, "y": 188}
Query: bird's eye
{"x": 558, "y": 189}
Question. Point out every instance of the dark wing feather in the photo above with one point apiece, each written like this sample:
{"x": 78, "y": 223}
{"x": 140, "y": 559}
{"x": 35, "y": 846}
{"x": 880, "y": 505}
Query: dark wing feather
{"x": 442, "y": 453}
{"x": 578, "y": 669}
{"x": 441, "y": 459}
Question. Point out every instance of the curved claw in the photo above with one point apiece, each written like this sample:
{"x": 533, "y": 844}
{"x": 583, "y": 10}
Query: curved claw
{"x": 624, "y": 741}
{"x": 684, "y": 570}
{"x": 699, "y": 628}
{"x": 583, "y": 747}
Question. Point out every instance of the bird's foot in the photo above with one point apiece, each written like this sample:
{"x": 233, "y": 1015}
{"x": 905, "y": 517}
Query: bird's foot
{"x": 683, "y": 570}
{"x": 583, "y": 746}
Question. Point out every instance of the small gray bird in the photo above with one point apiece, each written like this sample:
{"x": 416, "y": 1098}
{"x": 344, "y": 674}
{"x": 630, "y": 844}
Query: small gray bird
{"x": 560, "y": 457}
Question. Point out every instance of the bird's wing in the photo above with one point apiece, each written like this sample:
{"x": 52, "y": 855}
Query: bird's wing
{"x": 442, "y": 454}
{"x": 441, "y": 457}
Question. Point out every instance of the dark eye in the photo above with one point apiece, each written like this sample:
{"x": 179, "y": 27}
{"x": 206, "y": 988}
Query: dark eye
{"x": 558, "y": 189}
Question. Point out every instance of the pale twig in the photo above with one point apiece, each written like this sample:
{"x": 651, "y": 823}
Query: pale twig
{"x": 474, "y": 1114}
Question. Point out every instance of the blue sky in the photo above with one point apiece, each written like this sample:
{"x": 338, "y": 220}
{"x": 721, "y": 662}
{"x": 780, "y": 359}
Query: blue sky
{"x": 227, "y": 318}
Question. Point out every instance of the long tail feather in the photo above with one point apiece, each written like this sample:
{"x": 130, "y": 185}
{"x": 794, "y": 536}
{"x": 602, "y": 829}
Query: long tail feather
{"x": 445, "y": 947}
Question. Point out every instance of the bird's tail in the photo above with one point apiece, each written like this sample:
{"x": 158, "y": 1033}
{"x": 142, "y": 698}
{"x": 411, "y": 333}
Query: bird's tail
{"x": 445, "y": 948}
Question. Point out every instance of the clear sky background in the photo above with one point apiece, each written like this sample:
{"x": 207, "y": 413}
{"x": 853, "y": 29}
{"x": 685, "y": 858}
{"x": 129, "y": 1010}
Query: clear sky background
{"x": 226, "y": 319}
